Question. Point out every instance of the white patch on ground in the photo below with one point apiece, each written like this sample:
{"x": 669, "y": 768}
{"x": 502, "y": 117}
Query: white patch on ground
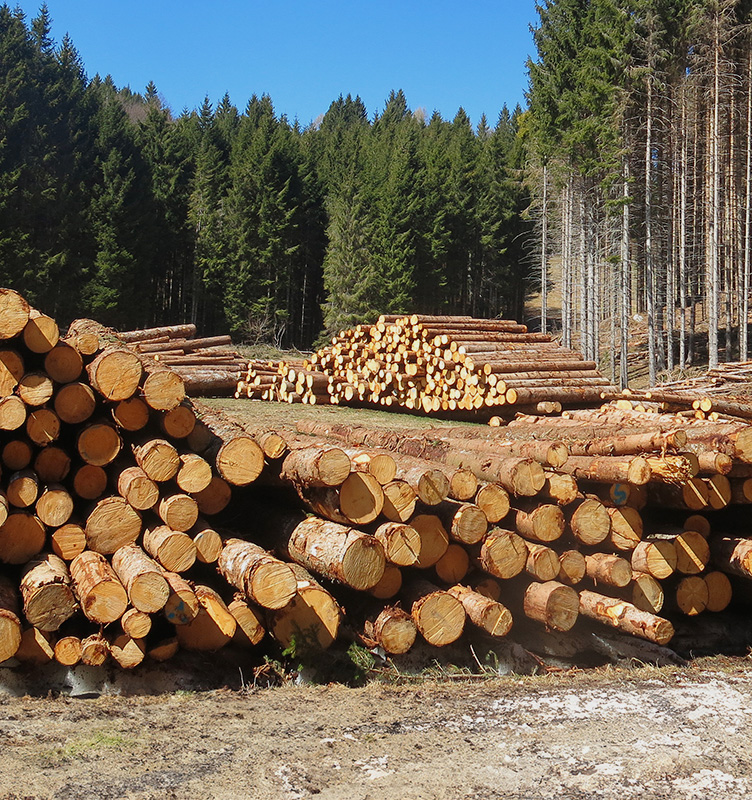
{"x": 375, "y": 768}
{"x": 714, "y": 783}
{"x": 283, "y": 773}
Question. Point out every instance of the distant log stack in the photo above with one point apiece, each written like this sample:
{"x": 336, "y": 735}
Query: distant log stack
{"x": 457, "y": 366}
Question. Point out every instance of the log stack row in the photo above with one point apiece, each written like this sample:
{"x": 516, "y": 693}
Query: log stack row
{"x": 136, "y": 522}
{"x": 436, "y": 364}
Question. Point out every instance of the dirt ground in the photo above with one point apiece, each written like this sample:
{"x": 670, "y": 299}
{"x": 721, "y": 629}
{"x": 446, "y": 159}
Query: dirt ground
{"x": 678, "y": 733}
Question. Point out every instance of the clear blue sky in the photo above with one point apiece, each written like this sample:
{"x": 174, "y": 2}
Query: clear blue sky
{"x": 443, "y": 53}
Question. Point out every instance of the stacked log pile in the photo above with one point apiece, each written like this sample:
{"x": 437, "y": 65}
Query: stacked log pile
{"x": 435, "y": 364}
{"x": 209, "y": 366}
{"x": 136, "y": 523}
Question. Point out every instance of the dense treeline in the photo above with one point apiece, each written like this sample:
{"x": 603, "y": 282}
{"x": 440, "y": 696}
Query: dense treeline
{"x": 640, "y": 125}
{"x": 110, "y": 207}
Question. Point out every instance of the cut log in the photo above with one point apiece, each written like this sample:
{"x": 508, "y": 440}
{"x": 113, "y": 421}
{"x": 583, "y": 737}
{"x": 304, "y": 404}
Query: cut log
{"x": 22, "y": 536}
{"x": 112, "y": 524}
{"x": 560, "y": 489}
{"x": 608, "y": 469}
{"x": 36, "y": 647}
{"x": 390, "y": 584}
{"x": 399, "y": 501}
{"x": 454, "y": 565}
{"x": 719, "y": 590}
{"x": 522, "y": 477}
{"x": 463, "y": 485}
{"x": 11, "y": 371}
{"x": 63, "y": 363}
{"x": 23, "y": 488}
{"x": 464, "y": 522}
{"x": 12, "y": 413}
{"x": 98, "y": 444}
{"x": 692, "y": 553}
{"x": 179, "y": 422}
{"x": 135, "y": 623}
{"x": 95, "y": 650}
{"x": 213, "y": 627}
{"x": 41, "y": 333}
{"x": 572, "y": 567}
{"x": 174, "y": 550}
{"x": 68, "y": 541}
{"x": 131, "y": 414}
{"x": 493, "y": 500}
{"x": 194, "y": 474}
{"x": 178, "y": 511}
{"x": 89, "y": 482}
{"x": 164, "y": 649}
{"x": 10, "y": 624}
{"x": 102, "y": 597}
{"x": 502, "y": 553}
{"x": 589, "y": 521}
{"x": 137, "y": 488}
{"x": 401, "y": 543}
{"x": 311, "y": 620}
{"x": 68, "y": 651}
{"x": 207, "y": 541}
{"x": 434, "y": 540}
{"x": 215, "y": 497}
{"x": 692, "y": 595}
{"x": 646, "y": 593}
{"x": 487, "y": 614}
{"x": 394, "y": 630}
{"x": 542, "y": 562}
{"x": 14, "y": 313}
{"x": 339, "y": 553}
{"x": 54, "y": 506}
{"x": 379, "y": 464}
{"x": 438, "y": 616}
{"x": 626, "y": 528}
{"x": 52, "y": 464}
{"x": 157, "y": 458}
{"x": 430, "y": 484}
{"x": 626, "y": 617}
{"x": 42, "y": 426}
{"x": 127, "y": 651}
{"x": 163, "y": 389}
{"x": 358, "y": 501}
{"x": 608, "y": 569}
{"x": 541, "y": 523}
{"x": 115, "y": 373}
{"x": 552, "y": 603}
{"x": 730, "y": 554}
{"x": 236, "y": 456}
{"x": 656, "y": 557}
{"x": 262, "y": 578}
{"x": 142, "y": 578}
{"x": 182, "y": 605}
{"x": 250, "y": 628}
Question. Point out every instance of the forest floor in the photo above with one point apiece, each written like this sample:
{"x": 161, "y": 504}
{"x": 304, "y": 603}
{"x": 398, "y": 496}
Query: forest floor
{"x": 665, "y": 733}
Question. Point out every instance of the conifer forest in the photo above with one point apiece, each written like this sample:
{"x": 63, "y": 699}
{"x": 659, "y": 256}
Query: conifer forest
{"x": 621, "y": 197}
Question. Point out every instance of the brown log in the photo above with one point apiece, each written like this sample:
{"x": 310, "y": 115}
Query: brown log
{"x": 213, "y": 627}
{"x": 63, "y": 363}
{"x": 36, "y": 647}
{"x": 608, "y": 569}
{"x": 112, "y": 524}
{"x": 68, "y": 541}
{"x": 115, "y": 373}
{"x": 390, "y": 584}
{"x": 98, "y": 444}
{"x": 22, "y": 536}
{"x": 14, "y": 313}
{"x": 41, "y": 333}
{"x": 733, "y": 555}
{"x": 522, "y": 477}
{"x": 23, "y": 488}
{"x": 311, "y": 619}
{"x": 215, "y": 497}
{"x": 142, "y": 578}
{"x": 12, "y": 413}
{"x": 489, "y": 615}
{"x": 401, "y": 543}
{"x": 54, "y": 506}
{"x": 74, "y": 403}
{"x": 339, "y": 553}
{"x": 35, "y": 388}
{"x": 42, "y": 426}
{"x": 552, "y": 603}
{"x": 89, "y": 482}
{"x": 162, "y": 389}
{"x": 173, "y": 549}
{"x": 430, "y": 484}
{"x": 358, "y": 501}
{"x": 493, "y": 500}
{"x": 699, "y": 523}
{"x": 135, "y": 623}
{"x": 184, "y": 331}
{"x": 10, "y": 624}
{"x": 157, "y": 458}
{"x": 560, "y": 489}
{"x": 454, "y": 565}
{"x": 625, "y": 617}
{"x": 68, "y": 651}
{"x": 178, "y": 422}
{"x": 502, "y": 553}
{"x": 692, "y": 553}
{"x": 691, "y": 494}
{"x": 439, "y": 617}
{"x": 185, "y": 344}
{"x": 262, "y": 578}
{"x": 131, "y": 414}
{"x": 52, "y": 464}
{"x": 236, "y": 456}
{"x": 102, "y": 597}
{"x": 719, "y": 590}
{"x": 249, "y": 630}
{"x": 692, "y": 595}
{"x": 719, "y": 491}
{"x": 399, "y": 501}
